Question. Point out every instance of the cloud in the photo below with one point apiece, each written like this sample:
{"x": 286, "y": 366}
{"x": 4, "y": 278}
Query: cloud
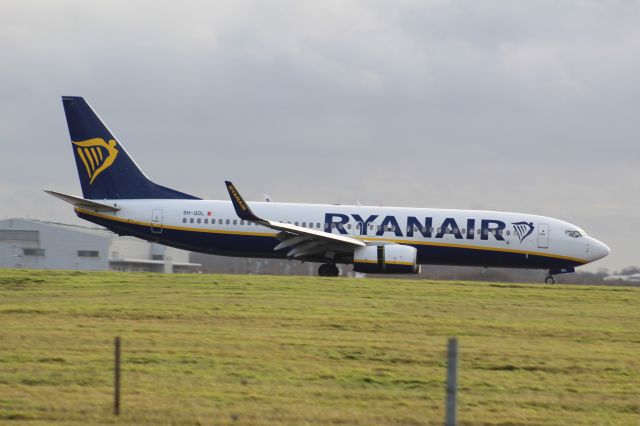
{"x": 526, "y": 106}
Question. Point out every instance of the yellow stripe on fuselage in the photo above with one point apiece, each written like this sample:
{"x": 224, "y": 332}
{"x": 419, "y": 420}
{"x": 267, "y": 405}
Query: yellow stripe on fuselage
{"x": 386, "y": 262}
{"x": 471, "y": 247}
{"x": 266, "y": 234}
{"x": 176, "y": 228}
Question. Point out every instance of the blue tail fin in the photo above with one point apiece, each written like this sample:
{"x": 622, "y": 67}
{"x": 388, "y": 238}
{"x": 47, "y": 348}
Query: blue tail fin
{"x": 105, "y": 169}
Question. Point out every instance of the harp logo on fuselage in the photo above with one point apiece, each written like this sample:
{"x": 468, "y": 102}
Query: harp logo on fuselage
{"x": 96, "y": 155}
{"x": 523, "y": 229}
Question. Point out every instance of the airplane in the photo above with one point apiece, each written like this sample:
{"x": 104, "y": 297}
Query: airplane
{"x": 116, "y": 194}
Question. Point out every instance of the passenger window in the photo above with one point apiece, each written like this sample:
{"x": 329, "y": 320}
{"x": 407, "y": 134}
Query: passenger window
{"x": 206, "y": 220}
{"x": 235, "y": 221}
{"x": 508, "y": 232}
{"x": 220, "y": 221}
{"x": 191, "y": 220}
{"x": 304, "y": 224}
{"x": 184, "y": 220}
{"x": 349, "y": 226}
{"x": 296, "y": 223}
{"x": 199, "y": 220}
{"x": 242, "y": 222}
{"x": 462, "y": 231}
{"x": 319, "y": 225}
{"x": 228, "y": 221}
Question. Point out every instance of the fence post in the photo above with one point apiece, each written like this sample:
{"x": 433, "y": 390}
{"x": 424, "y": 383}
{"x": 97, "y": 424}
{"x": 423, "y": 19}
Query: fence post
{"x": 116, "y": 396}
{"x": 452, "y": 381}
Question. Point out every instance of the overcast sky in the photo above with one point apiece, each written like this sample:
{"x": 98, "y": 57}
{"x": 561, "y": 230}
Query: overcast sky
{"x": 512, "y": 105}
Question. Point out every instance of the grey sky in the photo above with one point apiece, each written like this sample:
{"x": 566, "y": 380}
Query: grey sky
{"x": 518, "y": 106}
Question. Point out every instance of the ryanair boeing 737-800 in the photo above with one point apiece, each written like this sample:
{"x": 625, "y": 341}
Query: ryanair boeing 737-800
{"x": 383, "y": 240}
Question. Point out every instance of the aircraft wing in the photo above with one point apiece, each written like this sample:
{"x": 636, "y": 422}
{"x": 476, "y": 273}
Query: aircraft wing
{"x": 83, "y": 203}
{"x": 302, "y": 242}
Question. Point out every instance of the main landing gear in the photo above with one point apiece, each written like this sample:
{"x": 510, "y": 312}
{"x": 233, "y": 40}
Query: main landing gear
{"x": 550, "y": 279}
{"x": 328, "y": 270}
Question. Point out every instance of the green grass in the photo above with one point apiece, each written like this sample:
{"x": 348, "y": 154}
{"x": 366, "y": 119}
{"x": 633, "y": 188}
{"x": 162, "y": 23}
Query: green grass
{"x": 212, "y": 349}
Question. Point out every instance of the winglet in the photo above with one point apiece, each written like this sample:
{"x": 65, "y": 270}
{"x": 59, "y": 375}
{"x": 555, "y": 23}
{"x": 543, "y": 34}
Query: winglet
{"x": 244, "y": 212}
{"x": 242, "y": 209}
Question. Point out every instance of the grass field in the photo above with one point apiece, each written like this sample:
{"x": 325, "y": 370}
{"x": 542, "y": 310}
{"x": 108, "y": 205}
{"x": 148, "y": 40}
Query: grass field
{"x": 240, "y": 350}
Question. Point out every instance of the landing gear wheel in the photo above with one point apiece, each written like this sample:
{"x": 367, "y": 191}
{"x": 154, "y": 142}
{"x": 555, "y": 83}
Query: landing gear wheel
{"x": 550, "y": 279}
{"x": 328, "y": 270}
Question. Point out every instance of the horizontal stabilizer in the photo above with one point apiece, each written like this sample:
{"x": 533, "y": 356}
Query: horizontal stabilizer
{"x": 83, "y": 203}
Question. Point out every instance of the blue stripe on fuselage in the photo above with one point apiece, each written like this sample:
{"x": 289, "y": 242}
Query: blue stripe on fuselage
{"x": 247, "y": 245}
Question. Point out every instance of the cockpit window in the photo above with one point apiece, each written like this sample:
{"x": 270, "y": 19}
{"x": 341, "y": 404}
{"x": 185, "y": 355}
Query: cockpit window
{"x": 573, "y": 234}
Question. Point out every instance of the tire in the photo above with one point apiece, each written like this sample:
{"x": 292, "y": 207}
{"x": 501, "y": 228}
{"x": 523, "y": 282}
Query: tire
{"x": 328, "y": 270}
{"x": 550, "y": 280}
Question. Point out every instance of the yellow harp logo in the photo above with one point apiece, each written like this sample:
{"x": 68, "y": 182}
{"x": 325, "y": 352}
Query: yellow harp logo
{"x": 96, "y": 155}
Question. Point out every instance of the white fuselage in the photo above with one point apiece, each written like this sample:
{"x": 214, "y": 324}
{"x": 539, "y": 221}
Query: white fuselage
{"x": 442, "y": 236}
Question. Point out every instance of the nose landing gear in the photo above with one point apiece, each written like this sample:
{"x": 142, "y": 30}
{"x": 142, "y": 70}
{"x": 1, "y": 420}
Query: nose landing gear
{"x": 550, "y": 279}
{"x": 328, "y": 270}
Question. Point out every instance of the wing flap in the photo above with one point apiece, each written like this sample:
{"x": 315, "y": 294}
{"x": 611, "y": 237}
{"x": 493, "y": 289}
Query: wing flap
{"x": 299, "y": 230}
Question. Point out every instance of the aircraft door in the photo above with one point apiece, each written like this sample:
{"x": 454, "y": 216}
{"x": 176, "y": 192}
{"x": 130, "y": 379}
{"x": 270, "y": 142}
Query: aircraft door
{"x": 156, "y": 221}
{"x": 543, "y": 235}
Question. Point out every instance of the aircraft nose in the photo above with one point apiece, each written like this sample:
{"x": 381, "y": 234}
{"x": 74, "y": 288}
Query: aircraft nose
{"x": 597, "y": 250}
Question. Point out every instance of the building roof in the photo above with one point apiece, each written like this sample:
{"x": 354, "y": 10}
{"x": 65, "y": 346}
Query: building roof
{"x": 152, "y": 262}
{"x": 97, "y": 231}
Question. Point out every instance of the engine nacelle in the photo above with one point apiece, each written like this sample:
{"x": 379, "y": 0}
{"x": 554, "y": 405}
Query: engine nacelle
{"x": 386, "y": 259}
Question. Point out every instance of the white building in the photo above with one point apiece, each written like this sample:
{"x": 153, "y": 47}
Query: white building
{"x": 45, "y": 245}
{"x": 630, "y": 278}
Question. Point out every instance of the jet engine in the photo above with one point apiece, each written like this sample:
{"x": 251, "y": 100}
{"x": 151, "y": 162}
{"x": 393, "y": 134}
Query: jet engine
{"x": 386, "y": 259}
